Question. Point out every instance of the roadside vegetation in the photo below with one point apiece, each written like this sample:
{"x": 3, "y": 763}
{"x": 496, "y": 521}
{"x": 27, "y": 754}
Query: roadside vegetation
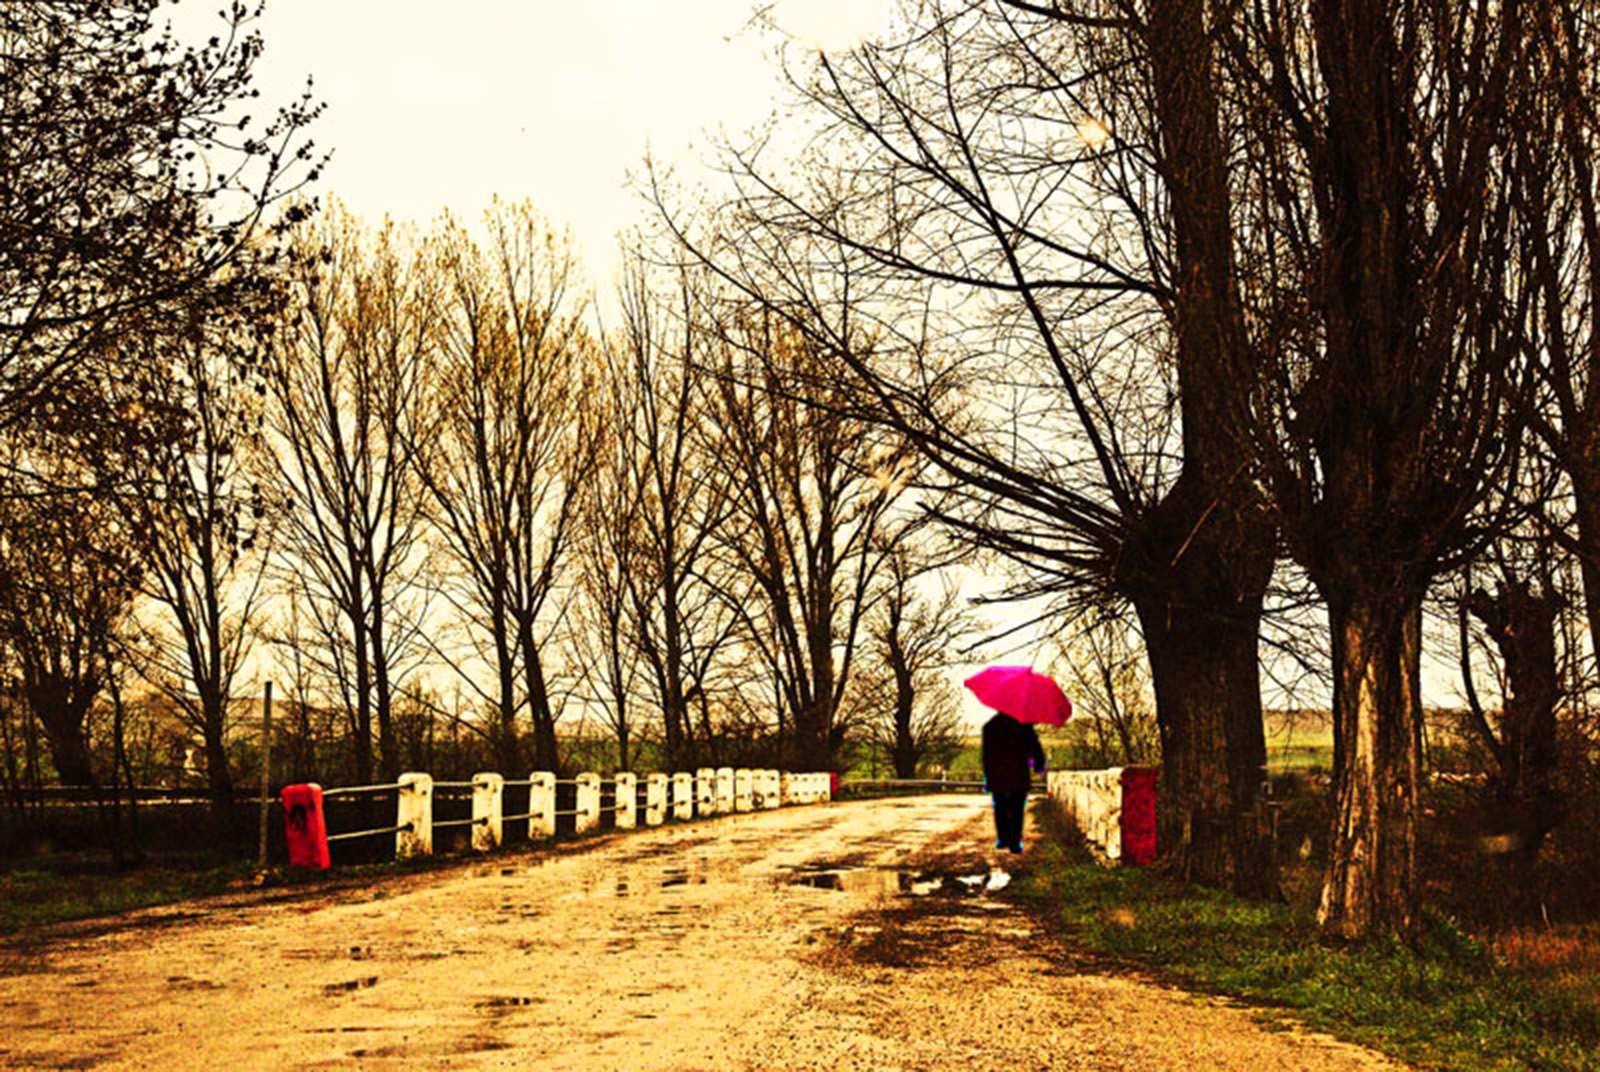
{"x": 1453, "y": 1001}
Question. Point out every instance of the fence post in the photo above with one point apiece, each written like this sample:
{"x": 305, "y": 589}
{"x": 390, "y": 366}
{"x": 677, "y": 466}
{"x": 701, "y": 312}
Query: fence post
{"x": 541, "y": 805}
{"x": 825, "y": 786}
{"x": 588, "y": 817}
{"x": 627, "y": 801}
{"x": 1111, "y": 812}
{"x": 705, "y": 792}
{"x": 683, "y": 795}
{"x": 1138, "y": 815}
{"x": 488, "y": 795}
{"x": 742, "y": 790}
{"x": 304, "y": 827}
{"x": 414, "y": 807}
{"x": 655, "y": 799}
{"x": 787, "y": 790}
{"x": 724, "y": 790}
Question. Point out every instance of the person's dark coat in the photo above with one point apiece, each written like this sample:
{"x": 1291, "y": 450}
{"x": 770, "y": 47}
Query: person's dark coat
{"x": 1009, "y": 747}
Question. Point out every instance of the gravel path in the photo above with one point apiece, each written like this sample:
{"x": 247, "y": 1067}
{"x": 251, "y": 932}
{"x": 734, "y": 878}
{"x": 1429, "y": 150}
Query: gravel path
{"x": 870, "y": 935}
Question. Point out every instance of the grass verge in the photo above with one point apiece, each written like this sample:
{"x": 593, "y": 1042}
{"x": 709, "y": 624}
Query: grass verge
{"x": 68, "y": 887}
{"x": 1449, "y": 1004}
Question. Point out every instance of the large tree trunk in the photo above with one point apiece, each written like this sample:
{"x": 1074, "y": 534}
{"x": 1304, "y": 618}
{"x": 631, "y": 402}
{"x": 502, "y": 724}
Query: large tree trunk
{"x": 388, "y": 746}
{"x": 218, "y": 777}
{"x": 1370, "y": 884}
{"x": 545, "y": 752}
{"x": 1208, "y": 548}
{"x": 361, "y": 738}
{"x": 62, "y": 714}
{"x": 69, "y": 751}
{"x": 507, "y": 748}
{"x": 1201, "y": 627}
{"x": 905, "y": 698}
{"x": 1522, "y": 625}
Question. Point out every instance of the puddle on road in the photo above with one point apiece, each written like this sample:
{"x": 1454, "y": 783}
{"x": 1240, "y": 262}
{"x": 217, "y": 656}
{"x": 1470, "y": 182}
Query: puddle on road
{"x": 889, "y": 880}
{"x": 350, "y": 984}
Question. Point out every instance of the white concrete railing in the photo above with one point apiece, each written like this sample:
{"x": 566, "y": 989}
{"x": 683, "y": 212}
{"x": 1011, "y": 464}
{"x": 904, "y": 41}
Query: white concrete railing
{"x": 1113, "y": 808}
{"x": 681, "y": 795}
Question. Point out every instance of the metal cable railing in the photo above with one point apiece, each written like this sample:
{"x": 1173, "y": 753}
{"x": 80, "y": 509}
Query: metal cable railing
{"x": 369, "y": 833}
{"x": 630, "y": 799}
{"x": 437, "y": 823}
{"x": 907, "y": 783}
{"x": 350, "y": 790}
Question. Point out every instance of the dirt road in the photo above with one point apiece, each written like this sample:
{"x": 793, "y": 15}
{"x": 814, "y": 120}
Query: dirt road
{"x": 870, "y": 935}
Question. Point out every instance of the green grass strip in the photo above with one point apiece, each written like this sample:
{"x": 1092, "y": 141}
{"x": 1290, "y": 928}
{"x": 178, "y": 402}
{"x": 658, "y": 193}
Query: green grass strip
{"x": 35, "y": 895}
{"x": 1446, "y": 1004}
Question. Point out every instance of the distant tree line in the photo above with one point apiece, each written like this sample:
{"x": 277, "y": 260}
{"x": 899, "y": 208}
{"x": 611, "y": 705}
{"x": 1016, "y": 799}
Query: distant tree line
{"x": 405, "y": 475}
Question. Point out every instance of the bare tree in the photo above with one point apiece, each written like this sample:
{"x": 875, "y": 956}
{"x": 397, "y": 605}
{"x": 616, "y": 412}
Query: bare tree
{"x": 917, "y": 636}
{"x": 198, "y": 510}
{"x": 506, "y": 454}
{"x": 1562, "y": 253}
{"x": 1395, "y": 326}
{"x": 1112, "y": 685}
{"x": 68, "y": 574}
{"x": 811, "y": 490}
{"x": 349, "y": 394}
{"x": 669, "y": 496}
{"x": 1054, "y": 180}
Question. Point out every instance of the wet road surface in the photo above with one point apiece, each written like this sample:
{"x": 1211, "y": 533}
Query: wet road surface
{"x": 871, "y": 935}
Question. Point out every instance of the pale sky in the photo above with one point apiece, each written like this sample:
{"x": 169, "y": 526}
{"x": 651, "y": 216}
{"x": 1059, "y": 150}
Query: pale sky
{"x": 446, "y": 103}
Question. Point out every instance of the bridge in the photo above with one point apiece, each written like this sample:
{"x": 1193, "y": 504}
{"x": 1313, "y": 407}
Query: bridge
{"x": 860, "y": 933}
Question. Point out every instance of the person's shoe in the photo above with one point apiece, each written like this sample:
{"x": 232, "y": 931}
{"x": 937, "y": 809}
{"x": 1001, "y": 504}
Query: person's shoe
{"x": 1016, "y": 849}
{"x": 998, "y": 845}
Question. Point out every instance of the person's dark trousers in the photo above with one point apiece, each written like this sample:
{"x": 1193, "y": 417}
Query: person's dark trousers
{"x": 1008, "y": 808}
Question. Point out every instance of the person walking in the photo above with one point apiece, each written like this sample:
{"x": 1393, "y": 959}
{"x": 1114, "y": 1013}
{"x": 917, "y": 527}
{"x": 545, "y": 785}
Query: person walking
{"x": 1020, "y": 696}
{"x": 1010, "y": 749}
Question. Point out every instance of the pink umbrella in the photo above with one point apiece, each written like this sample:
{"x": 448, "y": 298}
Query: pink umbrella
{"x": 1022, "y": 693}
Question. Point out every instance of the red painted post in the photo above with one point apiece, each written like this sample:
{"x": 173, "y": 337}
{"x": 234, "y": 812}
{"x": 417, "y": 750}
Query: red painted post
{"x": 304, "y": 827}
{"x": 1138, "y": 815}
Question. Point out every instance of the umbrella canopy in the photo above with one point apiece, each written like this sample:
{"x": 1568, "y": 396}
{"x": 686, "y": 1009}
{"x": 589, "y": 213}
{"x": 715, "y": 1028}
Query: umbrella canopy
{"x": 1021, "y": 692}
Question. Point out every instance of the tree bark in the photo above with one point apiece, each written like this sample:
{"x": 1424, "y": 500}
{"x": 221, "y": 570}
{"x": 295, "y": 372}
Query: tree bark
{"x": 388, "y": 747}
{"x": 1522, "y": 625}
{"x": 1201, "y": 621}
{"x": 1370, "y": 884}
{"x": 1209, "y": 544}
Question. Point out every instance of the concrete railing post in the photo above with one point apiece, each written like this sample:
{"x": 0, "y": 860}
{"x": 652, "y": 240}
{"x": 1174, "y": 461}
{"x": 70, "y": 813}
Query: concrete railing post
{"x": 769, "y": 789}
{"x": 414, "y": 815}
{"x": 743, "y": 790}
{"x": 724, "y": 803}
{"x": 488, "y": 794}
{"x": 541, "y": 805}
{"x": 705, "y": 792}
{"x": 1111, "y": 803}
{"x": 683, "y": 795}
{"x": 588, "y": 806}
{"x": 825, "y": 786}
{"x": 655, "y": 799}
{"x": 627, "y": 801}
{"x": 788, "y": 789}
